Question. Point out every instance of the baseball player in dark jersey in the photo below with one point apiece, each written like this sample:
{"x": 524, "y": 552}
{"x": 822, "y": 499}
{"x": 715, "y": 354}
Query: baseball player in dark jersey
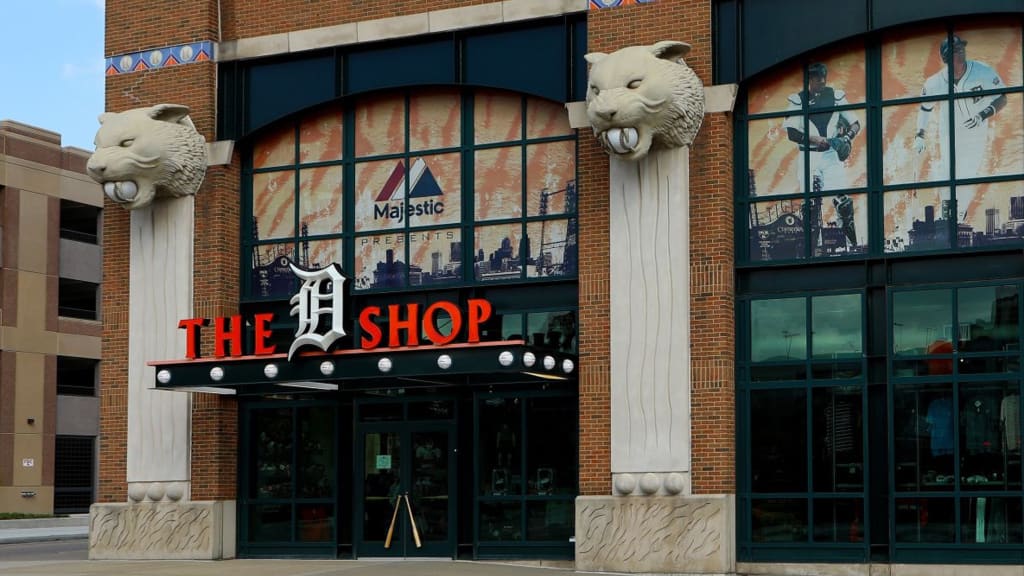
{"x": 828, "y": 136}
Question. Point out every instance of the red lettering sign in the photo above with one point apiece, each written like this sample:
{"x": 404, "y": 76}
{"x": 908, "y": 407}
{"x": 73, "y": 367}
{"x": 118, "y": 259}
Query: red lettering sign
{"x": 222, "y": 335}
{"x": 405, "y": 325}
{"x": 371, "y": 332}
{"x": 479, "y": 312}
{"x": 260, "y": 324}
{"x": 430, "y": 323}
{"x": 191, "y": 327}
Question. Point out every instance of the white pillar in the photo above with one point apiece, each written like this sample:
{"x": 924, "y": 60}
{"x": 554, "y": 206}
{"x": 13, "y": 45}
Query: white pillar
{"x": 650, "y": 318}
{"x": 160, "y": 292}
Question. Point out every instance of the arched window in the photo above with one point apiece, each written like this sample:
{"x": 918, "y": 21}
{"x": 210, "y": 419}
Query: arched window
{"x": 850, "y": 151}
{"x": 426, "y": 188}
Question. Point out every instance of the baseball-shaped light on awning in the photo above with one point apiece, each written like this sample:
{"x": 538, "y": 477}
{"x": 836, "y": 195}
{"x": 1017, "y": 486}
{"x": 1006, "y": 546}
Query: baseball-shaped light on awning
{"x": 506, "y": 358}
{"x": 327, "y": 367}
{"x": 216, "y": 373}
{"x": 529, "y": 359}
{"x": 163, "y": 376}
{"x": 384, "y": 365}
{"x": 270, "y": 371}
{"x": 444, "y": 361}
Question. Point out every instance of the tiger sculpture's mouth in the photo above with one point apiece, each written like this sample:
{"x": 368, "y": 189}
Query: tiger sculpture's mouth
{"x": 619, "y": 140}
{"x": 124, "y": 191}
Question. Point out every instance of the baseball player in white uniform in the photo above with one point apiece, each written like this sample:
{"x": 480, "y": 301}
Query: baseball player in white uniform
{"x": 971, "y": 115}
{"x": 829, "y": 134}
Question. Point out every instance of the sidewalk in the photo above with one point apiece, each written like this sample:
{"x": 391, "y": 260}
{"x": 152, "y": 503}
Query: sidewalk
{"x": 71, "y": 527}
{"x": 274, "y": 568}
{"x": 77, "y": 527}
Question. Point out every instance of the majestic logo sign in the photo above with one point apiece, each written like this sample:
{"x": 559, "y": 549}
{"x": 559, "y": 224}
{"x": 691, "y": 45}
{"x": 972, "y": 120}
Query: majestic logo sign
{"x": 319, "y": 306}
{"x": 423, "y": 189}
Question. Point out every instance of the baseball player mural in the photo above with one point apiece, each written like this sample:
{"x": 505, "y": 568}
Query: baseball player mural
{"x": 825, "y": 140}
{"x": 829, "y": 135}
{"x": 971, "y": 116}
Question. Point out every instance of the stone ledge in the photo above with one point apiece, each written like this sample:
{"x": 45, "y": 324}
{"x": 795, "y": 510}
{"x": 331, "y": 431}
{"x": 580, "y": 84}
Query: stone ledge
{"x": 162, "y": 531}
{"x": 666, "y": 534}
{"x": 350, "y": 33}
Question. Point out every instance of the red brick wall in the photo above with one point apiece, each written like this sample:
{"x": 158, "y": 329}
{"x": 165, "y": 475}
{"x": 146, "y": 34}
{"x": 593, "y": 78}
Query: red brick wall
{"x": 113, "y": 449}
{"x": 135, "y": 25}
{"x": 131, "y": 26}
{"x": 216, "y": 293}
{"x": 711, "y": 267}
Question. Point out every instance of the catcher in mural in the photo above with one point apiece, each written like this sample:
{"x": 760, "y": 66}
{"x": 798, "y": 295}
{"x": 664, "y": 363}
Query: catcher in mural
{"x": 827, "y": 135}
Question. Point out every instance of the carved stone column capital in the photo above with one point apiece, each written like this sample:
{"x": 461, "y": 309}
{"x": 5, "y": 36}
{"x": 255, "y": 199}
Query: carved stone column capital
{"x": 643, "y": 98}
{"x": 146, "y": 153}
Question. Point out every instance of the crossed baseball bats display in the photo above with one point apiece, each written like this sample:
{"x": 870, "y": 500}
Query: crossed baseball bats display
{"x": 412, "y": 522}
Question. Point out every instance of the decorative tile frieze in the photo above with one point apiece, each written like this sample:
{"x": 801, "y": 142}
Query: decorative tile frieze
{"x": 156, "y": 58}
{"x": 598, "y": 4}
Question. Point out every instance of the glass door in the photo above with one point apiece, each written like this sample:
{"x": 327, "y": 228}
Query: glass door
{"x": 405, "y": 488}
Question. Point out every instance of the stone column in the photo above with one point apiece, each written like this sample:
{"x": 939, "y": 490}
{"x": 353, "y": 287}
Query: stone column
{"x": 160, "y": 293}
{"x": 650, "y": 312}
{"x": 651, "y": 523}
{"x": 159, "y": 521}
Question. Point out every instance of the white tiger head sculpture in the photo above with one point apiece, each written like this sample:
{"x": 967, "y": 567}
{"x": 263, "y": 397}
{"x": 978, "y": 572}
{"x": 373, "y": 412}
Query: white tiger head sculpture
{"x": 644, "y": 97}
{"x": 146, "y": 153}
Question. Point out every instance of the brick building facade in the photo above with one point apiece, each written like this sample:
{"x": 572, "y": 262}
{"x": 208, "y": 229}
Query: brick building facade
{"x": 51, "y": 343}
{"x": 320, "y": 116}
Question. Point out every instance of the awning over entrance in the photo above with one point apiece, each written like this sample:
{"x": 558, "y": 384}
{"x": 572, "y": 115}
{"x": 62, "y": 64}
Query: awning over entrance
{"x": 504, "y": 361}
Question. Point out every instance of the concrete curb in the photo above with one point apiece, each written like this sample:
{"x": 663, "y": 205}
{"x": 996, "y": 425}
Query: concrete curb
{"x": 48, "y": 538}
{"x": 18, "y": 531}
{"x": 63, "y": 522}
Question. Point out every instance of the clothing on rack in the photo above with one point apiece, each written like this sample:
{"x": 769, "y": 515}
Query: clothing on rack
{"x": 981, "y": 427}
{"x": 1009, "y": 415}
{"x": 940, "y": 424}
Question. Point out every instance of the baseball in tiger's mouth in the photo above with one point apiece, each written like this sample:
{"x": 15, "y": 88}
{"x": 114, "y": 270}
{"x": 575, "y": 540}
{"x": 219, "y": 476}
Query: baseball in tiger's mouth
{"x": 125, "y": 191}
{"x": 619, "y": 140}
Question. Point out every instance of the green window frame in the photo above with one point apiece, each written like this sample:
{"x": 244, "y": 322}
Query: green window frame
{"x": 525, "y": 485}
{"x": 314, "y": 196}
{"x": 887, "y": 199}
{"x": 802, "y": 398}
{"x": 955, "y": 385}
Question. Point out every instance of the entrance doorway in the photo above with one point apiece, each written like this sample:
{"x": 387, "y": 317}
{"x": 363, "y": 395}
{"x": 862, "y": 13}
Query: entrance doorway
{"x": 405, "y": 489}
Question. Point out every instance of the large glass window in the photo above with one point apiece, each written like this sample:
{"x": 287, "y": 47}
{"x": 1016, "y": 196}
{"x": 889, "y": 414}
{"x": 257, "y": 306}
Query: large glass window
{"x": 290, "y": 477}
{"x": 806, "y": 434}
{"x": 433, "y": 187}
{"x": 527, "y": 473}
{"x": 956, "y": 417}
{"x": 878, "y": 372}
{"x": 921, "y": 128}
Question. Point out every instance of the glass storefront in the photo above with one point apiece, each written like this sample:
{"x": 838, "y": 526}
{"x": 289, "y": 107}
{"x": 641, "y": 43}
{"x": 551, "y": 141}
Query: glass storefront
{"x": 878, "y": 357}
{"x": 390, "y": 473}
{"x": 421, "y": 196}
{"x": 527, "y": 469}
